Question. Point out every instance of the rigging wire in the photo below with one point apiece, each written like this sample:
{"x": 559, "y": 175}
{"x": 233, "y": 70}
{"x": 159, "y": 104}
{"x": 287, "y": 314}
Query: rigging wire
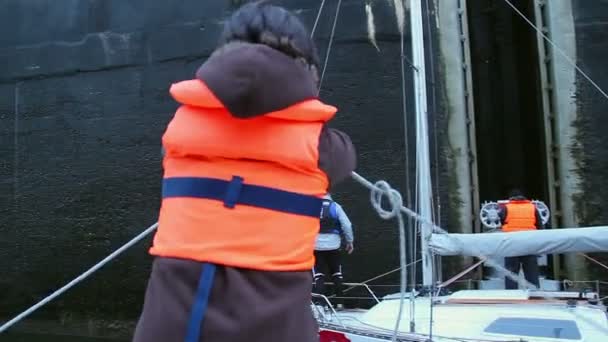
{"x": 558, "y": 49}
{"x": 411, "y": 241}
{"x": 314, "y": 27}
{"x": 329, "y": 44}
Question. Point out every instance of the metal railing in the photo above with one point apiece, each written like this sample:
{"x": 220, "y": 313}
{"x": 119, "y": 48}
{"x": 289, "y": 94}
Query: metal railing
{"x": 469, "y": 284}
{"x": 355, "y": 285}
{"x": 321, "y": 314}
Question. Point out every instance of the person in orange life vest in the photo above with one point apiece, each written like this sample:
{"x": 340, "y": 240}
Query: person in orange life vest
{"x": 247, "y": 159}
{"x": 520, "y": 214}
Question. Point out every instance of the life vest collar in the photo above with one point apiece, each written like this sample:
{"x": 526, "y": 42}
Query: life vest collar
{"x": 196, "y": 93}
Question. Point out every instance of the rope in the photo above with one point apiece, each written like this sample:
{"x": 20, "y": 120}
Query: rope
{"x": 381, "y": 189}
{"x": 80, "y": 278}
{"x": 314, "y": 27}
{"x": 440, "y": 230}
{"x": 594, "y": 260}
{"x": 407, "y": 211}
{"x": 331, "y": 39}
{"x": 381, "y": 275}
{"x": 558, "y": 49}
{"x": 433, "y": 111}
{"x": 408, "y": 192}
{"x": 461, "y": 274}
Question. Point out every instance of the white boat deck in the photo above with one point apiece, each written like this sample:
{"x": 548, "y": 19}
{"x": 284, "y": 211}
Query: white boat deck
{"x": 487, "y": 315}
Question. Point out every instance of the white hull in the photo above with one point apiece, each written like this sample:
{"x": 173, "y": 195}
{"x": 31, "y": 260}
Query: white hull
{"x": 499, "y": 315}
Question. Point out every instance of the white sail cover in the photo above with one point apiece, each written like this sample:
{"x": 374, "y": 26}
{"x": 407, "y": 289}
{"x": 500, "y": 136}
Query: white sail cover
{"x": 539, "y": 242}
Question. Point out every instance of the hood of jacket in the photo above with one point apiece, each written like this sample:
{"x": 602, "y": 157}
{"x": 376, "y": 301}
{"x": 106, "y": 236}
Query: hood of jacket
{"x": 251, "y": 80}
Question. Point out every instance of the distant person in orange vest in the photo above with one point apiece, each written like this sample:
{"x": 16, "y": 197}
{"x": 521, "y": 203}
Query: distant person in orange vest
{"x": 247, "y": 160}
{"x": 520, "y": 214}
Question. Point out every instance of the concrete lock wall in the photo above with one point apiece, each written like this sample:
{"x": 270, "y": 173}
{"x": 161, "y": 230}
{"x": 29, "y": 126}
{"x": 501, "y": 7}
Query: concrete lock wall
{"x": 84, "y": 101}
{"x": 590, "y": 123}
{"x": 574, "y": 116}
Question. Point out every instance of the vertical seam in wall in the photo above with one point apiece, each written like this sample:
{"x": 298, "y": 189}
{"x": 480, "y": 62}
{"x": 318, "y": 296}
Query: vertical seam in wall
{"x": 16, "y": 149}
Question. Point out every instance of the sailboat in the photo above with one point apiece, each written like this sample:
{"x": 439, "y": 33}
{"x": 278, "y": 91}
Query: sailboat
{"x": 545, "y": 314}
{"x": 485, "y": 314}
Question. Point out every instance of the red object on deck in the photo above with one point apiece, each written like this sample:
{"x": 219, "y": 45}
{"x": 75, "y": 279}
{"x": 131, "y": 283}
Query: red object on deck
{"x": 332, "y": 336}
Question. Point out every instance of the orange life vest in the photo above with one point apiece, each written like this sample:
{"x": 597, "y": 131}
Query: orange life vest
{"x": 241, "y": 192}
{"x": 521, "y": 215}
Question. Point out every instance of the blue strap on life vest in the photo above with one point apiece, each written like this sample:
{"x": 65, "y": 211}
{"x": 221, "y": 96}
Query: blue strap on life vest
{"x": 333, "y": 211}
{"x": 236, "y": 192}
{"x": 201, "y": 301}
{"x": 330, "y": 223}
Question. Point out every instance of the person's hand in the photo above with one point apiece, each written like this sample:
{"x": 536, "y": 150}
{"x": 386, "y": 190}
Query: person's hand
{"x": 349, "y": 248}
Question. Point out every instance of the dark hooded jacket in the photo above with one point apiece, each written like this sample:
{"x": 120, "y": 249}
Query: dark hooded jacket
{"x": 259, "y": 80}
{"x": 237, "y": 304}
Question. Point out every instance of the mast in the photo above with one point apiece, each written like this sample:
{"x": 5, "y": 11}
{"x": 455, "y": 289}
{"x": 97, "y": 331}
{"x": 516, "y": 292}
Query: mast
{"x": 423, "y": 174}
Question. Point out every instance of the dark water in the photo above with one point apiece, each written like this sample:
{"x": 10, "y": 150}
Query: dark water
{"x": 20, "y": 337}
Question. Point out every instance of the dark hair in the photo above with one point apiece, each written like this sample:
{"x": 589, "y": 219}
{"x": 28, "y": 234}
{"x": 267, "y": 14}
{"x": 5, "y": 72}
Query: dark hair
{"x": 262, "y": 23}
{"x": 515, "y": 192}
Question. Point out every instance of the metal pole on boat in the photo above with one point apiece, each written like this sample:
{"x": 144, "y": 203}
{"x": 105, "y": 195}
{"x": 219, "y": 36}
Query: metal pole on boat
{"x": 422, "y": 140}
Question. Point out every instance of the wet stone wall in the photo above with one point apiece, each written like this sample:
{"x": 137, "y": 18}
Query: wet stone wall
{"x": 83, "y": 103}
{"x": 591, "y": 154}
